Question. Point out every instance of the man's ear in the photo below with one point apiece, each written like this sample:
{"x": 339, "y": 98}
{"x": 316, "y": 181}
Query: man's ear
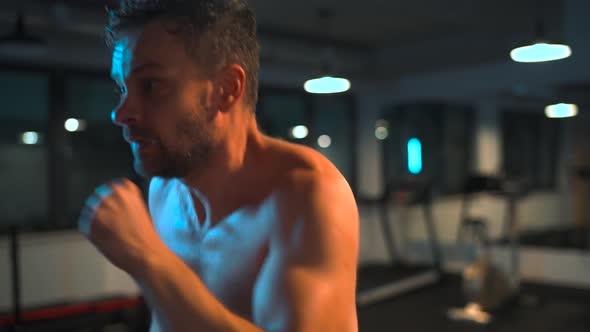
{"x": 230, "y": 89}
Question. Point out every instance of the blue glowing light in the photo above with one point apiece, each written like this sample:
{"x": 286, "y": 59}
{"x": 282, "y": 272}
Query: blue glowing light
{"x": 327, "y": 84}
{"x": 561, "y": 110}
{"x": 118, "y": 59}
{"x": 540, "y": 52}
{"x": 121, "y": 59}
{"x": 414, "y": 156}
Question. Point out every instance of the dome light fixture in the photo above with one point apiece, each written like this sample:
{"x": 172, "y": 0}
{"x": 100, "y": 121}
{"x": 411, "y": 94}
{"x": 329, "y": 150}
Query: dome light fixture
{"x": 541, "y": 50}
{"x": 327, "y": 82}
{"x": 326, "y": 85}
{"x": 561, "y": 110}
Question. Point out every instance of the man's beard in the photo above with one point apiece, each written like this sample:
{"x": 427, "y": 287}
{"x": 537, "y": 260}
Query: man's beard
{"x": 188, "y": 155}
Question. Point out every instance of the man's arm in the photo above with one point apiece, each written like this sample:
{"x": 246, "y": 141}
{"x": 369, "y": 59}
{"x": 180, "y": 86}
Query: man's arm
{"x": 181, "y": 301}
{"x": 116, "y": 220}
{"x": 306, "y": 284}
{"x": 308, "y": 281}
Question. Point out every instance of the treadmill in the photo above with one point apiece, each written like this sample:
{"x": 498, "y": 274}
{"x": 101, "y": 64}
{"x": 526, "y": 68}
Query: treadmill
{"x": 487, "y": 294}
{"x": 379, "y": 282}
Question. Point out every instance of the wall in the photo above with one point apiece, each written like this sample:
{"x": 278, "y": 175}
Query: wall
{"x": 28, "y": 192}
{"x": 477, "y": 84}
{"x": 60, "y": 267}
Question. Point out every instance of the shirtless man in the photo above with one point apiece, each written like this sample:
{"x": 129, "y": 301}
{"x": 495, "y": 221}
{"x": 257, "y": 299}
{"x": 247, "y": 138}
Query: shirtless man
{"x": 244, "y": 232}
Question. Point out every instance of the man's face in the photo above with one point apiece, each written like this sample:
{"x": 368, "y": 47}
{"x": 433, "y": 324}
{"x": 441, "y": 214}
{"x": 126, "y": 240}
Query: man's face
{"x": 165, "y": 107}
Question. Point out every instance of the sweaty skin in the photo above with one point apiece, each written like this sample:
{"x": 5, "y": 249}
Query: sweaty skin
{"x": 242, "y": 232}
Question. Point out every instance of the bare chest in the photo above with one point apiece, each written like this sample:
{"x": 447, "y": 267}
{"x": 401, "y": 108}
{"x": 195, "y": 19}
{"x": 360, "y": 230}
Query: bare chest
{"x": 227, "y": 257}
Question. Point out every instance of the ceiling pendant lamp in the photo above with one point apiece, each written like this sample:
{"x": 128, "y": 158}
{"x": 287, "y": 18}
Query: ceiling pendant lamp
{"x": 541, "y": 50}
{"x": 327, "y": 82}
{"x": 561, "y": 110}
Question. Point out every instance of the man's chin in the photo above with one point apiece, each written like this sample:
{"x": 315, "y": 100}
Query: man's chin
{"x": 147, "y": 170}
{"x": 141, "y": 170}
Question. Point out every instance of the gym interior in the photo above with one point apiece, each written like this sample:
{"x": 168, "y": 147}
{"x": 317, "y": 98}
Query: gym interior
{"x": 468, "y": 155}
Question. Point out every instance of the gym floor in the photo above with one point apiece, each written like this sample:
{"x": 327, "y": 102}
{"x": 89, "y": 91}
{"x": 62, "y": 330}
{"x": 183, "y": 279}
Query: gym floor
{"x": 541, "y": 308}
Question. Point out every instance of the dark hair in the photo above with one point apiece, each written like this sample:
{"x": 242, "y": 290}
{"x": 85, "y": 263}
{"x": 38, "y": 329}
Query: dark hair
{"x": 225, "y": 28}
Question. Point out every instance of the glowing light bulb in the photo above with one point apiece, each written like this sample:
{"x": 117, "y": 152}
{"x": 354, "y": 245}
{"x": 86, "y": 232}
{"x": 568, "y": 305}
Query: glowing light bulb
{"x": 327, "y": 84}
{"x": 299, "y": 132}
{"x": 561, "y": 110}
{"x": 381, "y": 133}
{"x": 30, "y": 138}
{"x": 324, "y": 141}
{"x": 540, "y": 52}
{"x": 73, "y": 125}
{"x": 414, "y": 156}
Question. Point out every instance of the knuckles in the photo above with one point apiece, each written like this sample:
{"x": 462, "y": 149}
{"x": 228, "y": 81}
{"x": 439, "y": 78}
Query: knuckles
{"x": 107, "y": 201}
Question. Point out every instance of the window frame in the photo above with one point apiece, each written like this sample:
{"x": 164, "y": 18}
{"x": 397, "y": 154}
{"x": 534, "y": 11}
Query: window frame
{"x": 56, "y": 140}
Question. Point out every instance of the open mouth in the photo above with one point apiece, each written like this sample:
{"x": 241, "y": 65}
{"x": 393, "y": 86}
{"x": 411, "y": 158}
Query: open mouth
{"x": 141, "y": 143}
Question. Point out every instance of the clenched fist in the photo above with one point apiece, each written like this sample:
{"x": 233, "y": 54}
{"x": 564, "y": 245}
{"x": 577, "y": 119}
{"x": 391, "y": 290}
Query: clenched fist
{"x": 116, "y": 220}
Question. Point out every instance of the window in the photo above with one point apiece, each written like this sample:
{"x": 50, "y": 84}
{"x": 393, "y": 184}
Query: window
{"x": 58, "y": 143}
{"x": 529, "y": 146}
{"x": 47, "y": 171}
{"x": 427, "y": 141}
{"x": 99, "y": 153}
{"x": 23, "y": 148}
{"x": 280, "y": 112}
{"x": 328, "y": 119}
{"x": 333, "y": 121}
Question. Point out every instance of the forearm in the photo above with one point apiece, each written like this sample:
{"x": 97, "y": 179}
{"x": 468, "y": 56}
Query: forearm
{"x": 181, "y": 300}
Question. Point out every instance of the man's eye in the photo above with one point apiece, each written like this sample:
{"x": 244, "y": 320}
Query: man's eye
{"x": 149, "y": 86}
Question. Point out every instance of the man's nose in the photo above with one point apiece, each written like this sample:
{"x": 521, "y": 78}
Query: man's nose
{"x": 125, "y": 114}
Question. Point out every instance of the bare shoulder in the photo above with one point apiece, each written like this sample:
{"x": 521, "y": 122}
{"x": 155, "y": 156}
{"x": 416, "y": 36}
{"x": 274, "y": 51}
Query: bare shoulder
{"x": 311, "y": 190}
{"x": 306, "y": 173}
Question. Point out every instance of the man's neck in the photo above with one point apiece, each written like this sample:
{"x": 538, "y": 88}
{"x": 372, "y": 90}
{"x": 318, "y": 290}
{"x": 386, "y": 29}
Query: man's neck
{"x": 228, "y": 178}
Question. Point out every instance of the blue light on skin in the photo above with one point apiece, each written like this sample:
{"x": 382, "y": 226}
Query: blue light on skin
{"x": 120, "y": 59}
{"x": 414, "y": 156}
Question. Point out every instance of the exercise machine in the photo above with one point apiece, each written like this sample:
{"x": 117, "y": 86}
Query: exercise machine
{"x": 486, "y": 286}
{"x": 396, "y": 277}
